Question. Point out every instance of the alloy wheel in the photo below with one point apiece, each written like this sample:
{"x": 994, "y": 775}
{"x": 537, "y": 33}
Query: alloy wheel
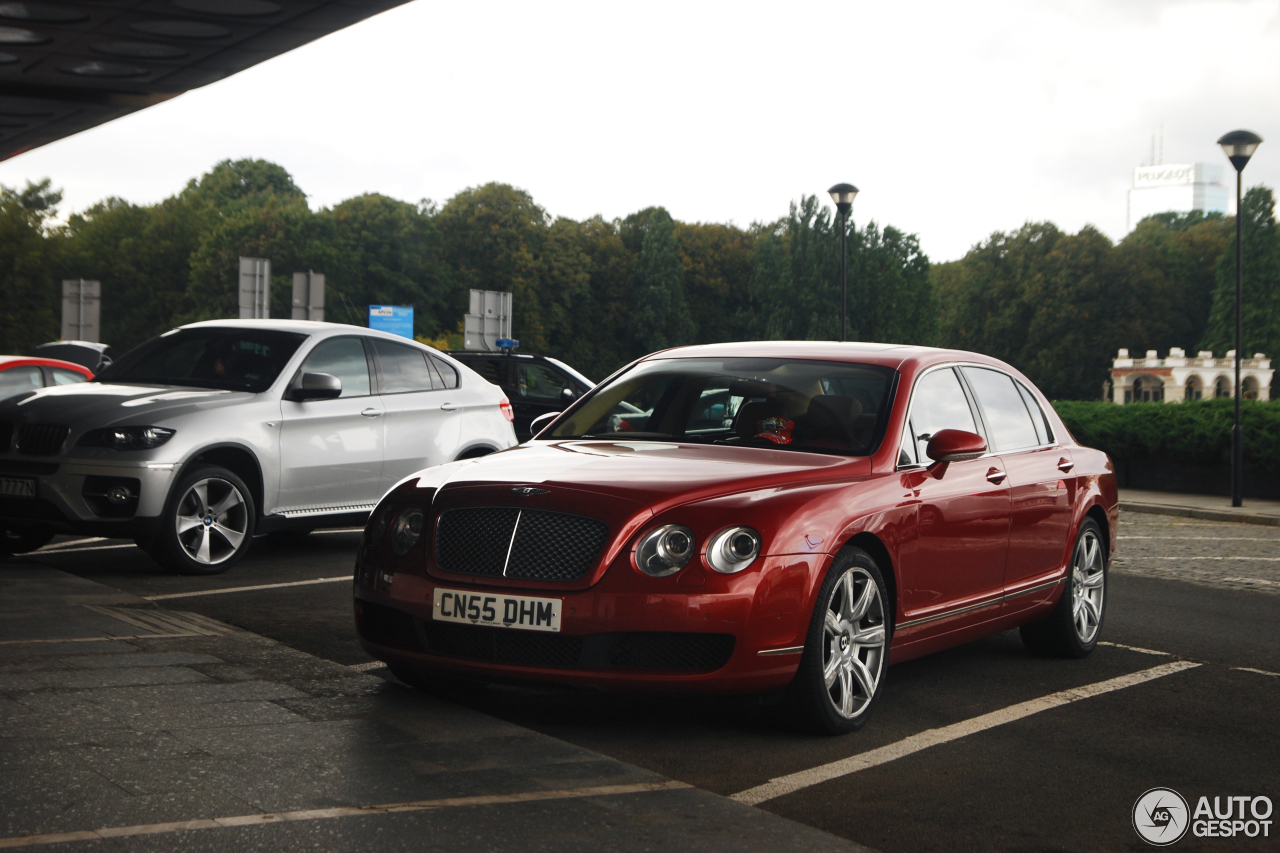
{"x": 212, "y": 521}
{"x": 1088, "y": 586}
{"x": 853, "y": 642}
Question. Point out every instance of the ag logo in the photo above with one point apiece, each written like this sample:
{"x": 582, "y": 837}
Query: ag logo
{"x": 1161, "y": 817}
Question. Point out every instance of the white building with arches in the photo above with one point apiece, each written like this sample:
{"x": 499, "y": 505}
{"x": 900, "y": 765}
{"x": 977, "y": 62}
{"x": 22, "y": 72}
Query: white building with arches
{"x": 1178, "y": 377}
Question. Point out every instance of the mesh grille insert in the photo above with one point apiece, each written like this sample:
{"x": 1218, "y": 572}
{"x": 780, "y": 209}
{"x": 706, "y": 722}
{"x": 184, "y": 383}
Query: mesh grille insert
{"x": 548, "y": 546}
{"x": 669, "y": 650}
{"x": 41, "y": 439}
{"x": 475, "y": 541}
{"x": 504, "y": 646}
{"x": 555, "y": 546}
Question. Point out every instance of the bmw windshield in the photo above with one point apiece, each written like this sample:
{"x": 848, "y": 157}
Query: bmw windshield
{"x": 777, "y": 403}
{"x": 230, "y": 359}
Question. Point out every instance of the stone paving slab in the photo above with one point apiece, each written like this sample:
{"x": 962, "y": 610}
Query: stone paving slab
{"x": 1206, "y": 507}
{"x": 172, "y": 729}
{"x": 1209, "y": 553}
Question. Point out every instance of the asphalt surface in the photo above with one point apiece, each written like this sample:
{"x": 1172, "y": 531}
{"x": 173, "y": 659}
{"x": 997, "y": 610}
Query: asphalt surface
{"x": 1201, "y": 595}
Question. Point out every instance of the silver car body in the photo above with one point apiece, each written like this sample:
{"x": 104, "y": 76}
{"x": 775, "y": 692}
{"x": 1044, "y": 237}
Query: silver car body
{"x": 318, "y": 461}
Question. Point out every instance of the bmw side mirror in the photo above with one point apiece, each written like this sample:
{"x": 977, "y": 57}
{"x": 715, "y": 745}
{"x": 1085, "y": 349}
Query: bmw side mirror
{"x": 314, "y": 386}
{"x": 541, "y": 422}
{"x": 955, "y": 445}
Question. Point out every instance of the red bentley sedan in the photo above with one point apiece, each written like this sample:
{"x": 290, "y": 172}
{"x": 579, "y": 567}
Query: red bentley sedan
{"x": 750, "y": 517}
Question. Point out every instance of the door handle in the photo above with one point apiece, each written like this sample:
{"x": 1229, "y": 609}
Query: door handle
{"x": 995, "y": 475}
{"x": 448, "y": 407}
{"x": 1065, "y": 465}
{"x": 371, "y": 413}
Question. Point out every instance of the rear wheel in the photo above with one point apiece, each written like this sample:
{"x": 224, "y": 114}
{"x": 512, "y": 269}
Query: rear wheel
{"x": 208, "y": 523}
{"x": 842, "y": 669}
{"x": 1072, "y": 629}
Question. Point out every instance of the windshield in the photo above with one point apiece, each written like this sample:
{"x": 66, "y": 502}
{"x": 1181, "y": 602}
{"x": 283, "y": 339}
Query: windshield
{"x": 233, "y": 359}
{"x": 790, "y": 404}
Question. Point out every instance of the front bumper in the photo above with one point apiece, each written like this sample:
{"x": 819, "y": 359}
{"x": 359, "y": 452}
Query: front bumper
{"x": 61, "y": 502}
{"x": 628, "y": 631}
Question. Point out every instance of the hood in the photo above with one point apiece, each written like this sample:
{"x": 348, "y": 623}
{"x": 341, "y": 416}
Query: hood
{"x": 658, "y": 475}
{"x": 92, "y": 404}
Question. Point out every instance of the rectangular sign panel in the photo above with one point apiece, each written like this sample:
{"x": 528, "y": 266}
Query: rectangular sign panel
{"x": 308, "y": 296}
{"x": 396, "y": 319}
{"x": 81, "y": 302}
{"x": 255, "y": 289}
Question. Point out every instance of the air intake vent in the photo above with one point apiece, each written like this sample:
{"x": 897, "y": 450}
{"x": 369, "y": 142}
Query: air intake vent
{"x": 41, "y": 439}
{"x": 547, "y": 546}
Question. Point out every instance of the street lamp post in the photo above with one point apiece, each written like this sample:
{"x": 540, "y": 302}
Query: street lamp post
{"x": 1239, "y": 146}
{"x": 842, "y": 195}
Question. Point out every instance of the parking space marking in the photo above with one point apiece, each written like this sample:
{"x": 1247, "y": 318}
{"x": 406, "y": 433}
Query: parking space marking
{"x": 49, "y": 550}
{"x": 194, "y": 593}
{"x": 1127, "y": 537}
{"x": 342, "y": 811}
{"x": 1138, "y": 649}
{"x": 933, "y": 737}
{"x": 1258, "y": 671}
{"x": 365, "y": 667}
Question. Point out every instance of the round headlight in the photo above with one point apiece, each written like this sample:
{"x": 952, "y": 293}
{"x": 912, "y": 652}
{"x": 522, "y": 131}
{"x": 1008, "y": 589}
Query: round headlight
{"x": 664, "y": 551}
{"x": 733, "y": 549}
{"x": 406, "y": 529}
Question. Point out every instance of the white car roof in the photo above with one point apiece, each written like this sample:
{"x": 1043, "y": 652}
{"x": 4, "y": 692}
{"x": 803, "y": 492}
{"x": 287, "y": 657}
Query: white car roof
{"x": 305, "y": 327}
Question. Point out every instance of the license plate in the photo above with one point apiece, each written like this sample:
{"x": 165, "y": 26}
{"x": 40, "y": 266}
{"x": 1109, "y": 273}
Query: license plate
{"x": 498, "y": 611}
{"x": 17, "y": 487}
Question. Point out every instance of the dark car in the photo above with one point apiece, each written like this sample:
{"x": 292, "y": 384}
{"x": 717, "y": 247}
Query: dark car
{"x": 776, "y": 516}
{"x": 85, "y": 353}
{"x": 535, "y": 384}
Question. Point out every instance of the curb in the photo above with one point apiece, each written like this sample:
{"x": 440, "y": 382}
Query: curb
{"x": 1206, "y": 514}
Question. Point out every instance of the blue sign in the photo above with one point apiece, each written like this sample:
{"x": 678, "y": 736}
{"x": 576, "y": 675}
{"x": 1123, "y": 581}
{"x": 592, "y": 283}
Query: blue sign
{"x": 396, "y": 319}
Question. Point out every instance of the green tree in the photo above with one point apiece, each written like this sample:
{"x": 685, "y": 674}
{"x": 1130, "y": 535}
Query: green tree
{"x": 29, "y": 255}
{"x": 1260, "y": 312}
{"x": 661, "y": 317}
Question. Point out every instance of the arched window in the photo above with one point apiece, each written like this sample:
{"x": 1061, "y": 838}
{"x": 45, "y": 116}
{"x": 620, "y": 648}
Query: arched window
{"x": 1221, "y": 388}
{"x": 1147, "y": 389}
{"x": 1249, "y": 388}
{"x": 1194, "y": 388}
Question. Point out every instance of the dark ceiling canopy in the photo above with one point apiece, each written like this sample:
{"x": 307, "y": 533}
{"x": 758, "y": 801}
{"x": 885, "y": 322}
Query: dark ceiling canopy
{"x": 69, "y": 66}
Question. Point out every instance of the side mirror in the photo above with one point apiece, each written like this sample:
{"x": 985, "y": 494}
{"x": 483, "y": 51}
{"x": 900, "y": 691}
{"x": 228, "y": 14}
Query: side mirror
{"x": 568, "y": 394}
{"x": 314, "y": 386}
{"x": 955, "y": 445}
{"x": 541, "y": 421}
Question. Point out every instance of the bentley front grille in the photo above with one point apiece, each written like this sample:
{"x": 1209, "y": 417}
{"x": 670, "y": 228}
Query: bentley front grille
{"x": 527, "y": 544}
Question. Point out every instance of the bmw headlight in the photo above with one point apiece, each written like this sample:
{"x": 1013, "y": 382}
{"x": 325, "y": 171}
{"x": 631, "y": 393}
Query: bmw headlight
{"x": 127, "y": 437}
{"x": 664, "y": 551}
{"x": 406, "y": 529}
{"x": 733, "y": 549}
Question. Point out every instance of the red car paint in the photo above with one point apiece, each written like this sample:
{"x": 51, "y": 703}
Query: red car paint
{"x": 969, "y": 548}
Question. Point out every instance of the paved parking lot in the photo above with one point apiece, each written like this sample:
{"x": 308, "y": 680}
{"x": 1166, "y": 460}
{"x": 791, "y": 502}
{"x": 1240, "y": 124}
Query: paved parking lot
{"x": 983, "y": 747}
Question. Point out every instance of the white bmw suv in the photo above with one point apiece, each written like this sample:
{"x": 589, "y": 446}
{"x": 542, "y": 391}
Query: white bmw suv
{"x": 199, "y": 439}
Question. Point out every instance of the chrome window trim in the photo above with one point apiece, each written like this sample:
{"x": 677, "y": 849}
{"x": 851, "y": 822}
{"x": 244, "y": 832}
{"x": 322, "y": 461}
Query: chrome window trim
{"x": 974, "y": 410}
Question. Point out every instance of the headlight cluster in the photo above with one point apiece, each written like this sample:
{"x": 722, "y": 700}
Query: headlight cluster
{"x": 406, "y": 529}
{"x": 126, "y": 437}
{"x": 666, "y": 550}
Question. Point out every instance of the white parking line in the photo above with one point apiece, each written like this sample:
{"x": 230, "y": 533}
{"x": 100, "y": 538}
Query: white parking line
{"x": 244, "y": 588}
{"x": 1258, "y": 671}
{"x": 50, "y": 550}
{"x": 1127, "y": 537}
{"x": 873, "y": 758}
{"x": 341, "y": 811}
{"x": 1218, "y": 559}
{"x": 1135, "y": 649}
{"x": 365, "y": 667}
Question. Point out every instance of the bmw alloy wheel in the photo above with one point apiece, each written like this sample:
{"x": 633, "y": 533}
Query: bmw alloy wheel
{"x": 212, "y": 521}
{"x": 853, "y": 642}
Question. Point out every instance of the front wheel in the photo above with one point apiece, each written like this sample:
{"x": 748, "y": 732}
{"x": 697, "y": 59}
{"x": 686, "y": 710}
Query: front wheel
{"x": 842, "y": 668}
{"x": 208, "y": 523}
{"x": 1072, "y": 629}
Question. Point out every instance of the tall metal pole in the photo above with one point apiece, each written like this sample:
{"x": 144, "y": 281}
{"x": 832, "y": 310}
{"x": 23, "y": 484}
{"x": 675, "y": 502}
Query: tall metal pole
{"x": 1237, "y": 434}
{"x": 843, "y": 270}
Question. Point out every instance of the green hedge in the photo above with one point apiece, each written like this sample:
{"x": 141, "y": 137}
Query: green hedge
{"x": 1194, "y": 433}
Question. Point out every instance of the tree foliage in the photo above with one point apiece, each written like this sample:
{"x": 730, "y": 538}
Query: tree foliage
{"x": 1260, "y": 308}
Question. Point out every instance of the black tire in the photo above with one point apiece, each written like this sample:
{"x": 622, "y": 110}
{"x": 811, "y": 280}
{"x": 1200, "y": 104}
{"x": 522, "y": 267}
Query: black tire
{"x": 20, "y": 540}
{"x": 209, "y": 547}
{"x": 810, "y": 700}
{"x": 1068, "y": 632}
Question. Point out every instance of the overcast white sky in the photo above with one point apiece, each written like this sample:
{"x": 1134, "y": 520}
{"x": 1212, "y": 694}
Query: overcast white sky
{"x": 954, "y": 119}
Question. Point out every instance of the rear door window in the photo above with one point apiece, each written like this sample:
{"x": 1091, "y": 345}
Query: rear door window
{"x": 404, "y": 368}
{"x": 447, "y": 372}
{"x": 62, "y": 376}
{"x": 1009, "y": 424}
{"x": 19, "y": 380}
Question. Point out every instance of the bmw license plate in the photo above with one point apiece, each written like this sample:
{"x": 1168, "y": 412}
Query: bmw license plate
{"x": 498, "y": 611}
{"x": 17, "y": 487}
